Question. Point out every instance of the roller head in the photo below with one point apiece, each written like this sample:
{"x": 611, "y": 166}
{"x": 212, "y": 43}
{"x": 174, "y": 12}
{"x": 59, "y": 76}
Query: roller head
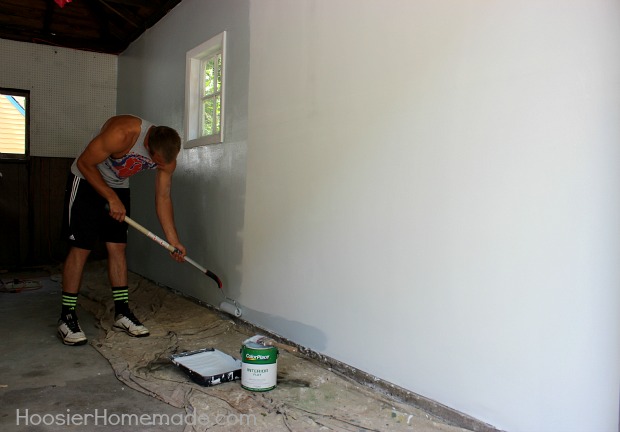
{"x": 230, "y": 308}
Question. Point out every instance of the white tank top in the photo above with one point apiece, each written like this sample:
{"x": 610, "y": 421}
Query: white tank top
{"x": 116, "y": 172}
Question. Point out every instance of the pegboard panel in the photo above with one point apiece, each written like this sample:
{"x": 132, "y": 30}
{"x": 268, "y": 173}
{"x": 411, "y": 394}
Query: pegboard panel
{"x": 72, "y": 93}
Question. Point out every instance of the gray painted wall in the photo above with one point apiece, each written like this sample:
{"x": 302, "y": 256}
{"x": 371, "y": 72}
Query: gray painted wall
{"x": 209, "y": 184}
{"x": 431, "y": 192}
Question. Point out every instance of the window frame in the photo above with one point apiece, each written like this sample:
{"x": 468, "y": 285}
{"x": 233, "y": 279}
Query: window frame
{"x": 4, "y": 157}
{"x": 194, "y": 94}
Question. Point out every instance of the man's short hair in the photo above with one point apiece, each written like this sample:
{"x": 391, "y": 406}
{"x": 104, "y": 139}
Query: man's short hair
{"x": 164, "y": 141}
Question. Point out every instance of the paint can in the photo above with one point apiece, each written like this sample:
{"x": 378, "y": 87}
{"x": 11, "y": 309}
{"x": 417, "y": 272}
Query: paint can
{"x": 259, "y": 367}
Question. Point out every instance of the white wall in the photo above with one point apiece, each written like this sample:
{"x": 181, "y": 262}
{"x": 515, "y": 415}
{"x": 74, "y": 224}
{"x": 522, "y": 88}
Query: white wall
{"x": 432, "y": 197}
{"x": 431, "y": 192}
{"x": 71, "y": 93}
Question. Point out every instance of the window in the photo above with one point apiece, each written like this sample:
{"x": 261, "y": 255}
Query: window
{"x": 204, "y": 92}
{"x": 14, "y": 115}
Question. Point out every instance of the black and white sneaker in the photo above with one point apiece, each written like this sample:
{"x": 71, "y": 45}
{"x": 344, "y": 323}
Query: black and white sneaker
{"x": 69, "y": 330}
{"x": 128, "y": 323}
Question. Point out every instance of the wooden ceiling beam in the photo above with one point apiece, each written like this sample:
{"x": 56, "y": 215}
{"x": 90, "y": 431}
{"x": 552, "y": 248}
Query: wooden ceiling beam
{"x": 99, "y": 15}
{"x": 125, "y": 14}
{"x": 47, "y": 18}
{"x": 137, "y": 3}
{"x": 107, "y": 26}
{"x": 85, "y": 44}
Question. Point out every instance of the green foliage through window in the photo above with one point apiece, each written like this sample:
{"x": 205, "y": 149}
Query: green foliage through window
{"x": 212, "y": 94}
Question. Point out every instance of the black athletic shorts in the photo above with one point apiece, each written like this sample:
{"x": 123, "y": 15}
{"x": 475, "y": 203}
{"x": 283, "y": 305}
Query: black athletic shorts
{"x": 86, "y": 218}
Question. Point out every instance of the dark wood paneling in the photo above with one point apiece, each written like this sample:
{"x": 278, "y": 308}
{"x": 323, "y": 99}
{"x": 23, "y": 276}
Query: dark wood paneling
{"x": 48, "y": 177}
{"x": 31, "y": 211}
{"x": 13, "y": 213}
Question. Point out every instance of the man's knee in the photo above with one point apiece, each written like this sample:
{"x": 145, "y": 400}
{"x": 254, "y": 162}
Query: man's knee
{"x": 116, "y": 249}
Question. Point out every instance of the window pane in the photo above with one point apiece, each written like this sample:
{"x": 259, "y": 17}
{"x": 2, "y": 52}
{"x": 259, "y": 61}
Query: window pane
{"x": 12, "y": 124}
{"x": 218, "y": 113}
{"x": 209, "y": 71}
{"x": 219, "y": 73}
{"x": 207, "y": 117}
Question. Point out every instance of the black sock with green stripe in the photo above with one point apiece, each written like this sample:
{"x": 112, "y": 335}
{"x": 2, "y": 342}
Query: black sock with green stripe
{"x": 69, "y": 302}
{"x": 121, "y": 299}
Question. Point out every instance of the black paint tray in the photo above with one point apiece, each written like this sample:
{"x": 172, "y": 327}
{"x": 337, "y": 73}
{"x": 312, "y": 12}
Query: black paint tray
{"x": 208, "y": 366}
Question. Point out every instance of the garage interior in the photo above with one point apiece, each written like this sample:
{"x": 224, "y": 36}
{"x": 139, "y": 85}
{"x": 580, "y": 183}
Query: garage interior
{"x": 417, "y": 199}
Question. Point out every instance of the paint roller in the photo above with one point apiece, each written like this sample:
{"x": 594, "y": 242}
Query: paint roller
{"x": 225, "y": 306}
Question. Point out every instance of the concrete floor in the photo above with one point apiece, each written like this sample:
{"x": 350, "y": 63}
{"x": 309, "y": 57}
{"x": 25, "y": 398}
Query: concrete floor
{"x": 43, "y": 382}
{"x": 40, "y": 374}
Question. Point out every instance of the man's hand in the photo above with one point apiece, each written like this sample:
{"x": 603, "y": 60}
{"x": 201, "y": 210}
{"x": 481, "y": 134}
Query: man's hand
{"x": 180, "y": 255}
{"x": 117, "y": 209}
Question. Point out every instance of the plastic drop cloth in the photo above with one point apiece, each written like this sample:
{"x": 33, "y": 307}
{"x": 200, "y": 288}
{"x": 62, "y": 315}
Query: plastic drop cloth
{"x": 308, "y": 396}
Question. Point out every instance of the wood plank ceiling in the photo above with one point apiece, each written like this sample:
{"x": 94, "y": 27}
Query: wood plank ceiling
{"x": 105, "y": 26}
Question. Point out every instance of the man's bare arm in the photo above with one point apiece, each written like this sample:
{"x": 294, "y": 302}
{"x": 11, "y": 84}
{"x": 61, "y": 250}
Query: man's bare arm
{"x": 164, "y": 208}
{"x": 115, "y": 137}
